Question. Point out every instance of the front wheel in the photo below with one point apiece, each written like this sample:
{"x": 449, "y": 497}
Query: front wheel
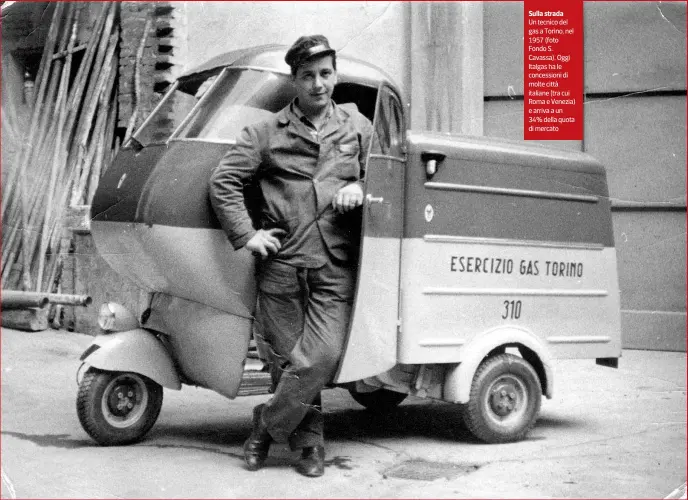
{"x": 504, "y": 401}
{"x": 117, "y": 408}
{"x": 378, "y": 401}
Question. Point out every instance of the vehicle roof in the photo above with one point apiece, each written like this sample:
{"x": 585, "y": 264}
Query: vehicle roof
{"x": 271, "y": 57}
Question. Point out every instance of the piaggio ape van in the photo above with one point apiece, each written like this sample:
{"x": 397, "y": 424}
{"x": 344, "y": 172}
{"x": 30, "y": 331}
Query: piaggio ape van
{"x": 482, "y": 261}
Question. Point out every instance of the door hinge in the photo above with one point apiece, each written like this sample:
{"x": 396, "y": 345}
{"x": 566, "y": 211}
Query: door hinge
{"x": 398, "y": 325}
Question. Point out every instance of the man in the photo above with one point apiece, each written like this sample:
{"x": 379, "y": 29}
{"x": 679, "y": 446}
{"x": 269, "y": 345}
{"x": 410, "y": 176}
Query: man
{"x": 308, "y": 162}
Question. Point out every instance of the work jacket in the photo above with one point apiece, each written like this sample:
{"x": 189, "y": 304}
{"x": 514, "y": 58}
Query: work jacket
{"x": 296, "y": 175}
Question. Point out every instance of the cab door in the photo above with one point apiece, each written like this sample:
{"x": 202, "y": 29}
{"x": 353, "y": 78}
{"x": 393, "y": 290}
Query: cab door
{"x": 372, "y": 344}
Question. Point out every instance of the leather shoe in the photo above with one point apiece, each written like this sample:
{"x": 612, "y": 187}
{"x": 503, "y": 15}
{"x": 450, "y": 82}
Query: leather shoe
{"x": 257, "y": 445}
{"x": 312, "y": 461}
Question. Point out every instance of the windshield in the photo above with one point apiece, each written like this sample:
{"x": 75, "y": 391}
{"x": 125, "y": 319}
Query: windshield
{"x": 240, "y": 98}
{"x": 226, "y": 104}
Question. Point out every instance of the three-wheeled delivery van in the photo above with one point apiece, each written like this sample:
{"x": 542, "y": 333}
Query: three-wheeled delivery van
{"x": 482, "y": 261}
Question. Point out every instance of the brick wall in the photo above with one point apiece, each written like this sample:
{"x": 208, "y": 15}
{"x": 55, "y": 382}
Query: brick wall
{"x": 162, "y": 58}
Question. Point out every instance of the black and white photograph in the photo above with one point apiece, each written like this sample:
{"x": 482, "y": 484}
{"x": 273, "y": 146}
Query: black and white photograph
{"x": 343, "y": 249}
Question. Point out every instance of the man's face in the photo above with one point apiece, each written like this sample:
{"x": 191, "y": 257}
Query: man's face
{"x": 315, "y": 81}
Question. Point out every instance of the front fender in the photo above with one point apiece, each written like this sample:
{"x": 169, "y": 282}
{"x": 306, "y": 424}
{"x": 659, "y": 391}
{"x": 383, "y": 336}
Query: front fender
{"x": 458, "y": 379}
{"x": 138, "y": 351}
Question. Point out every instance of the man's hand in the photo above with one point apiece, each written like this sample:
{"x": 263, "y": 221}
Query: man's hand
{"x": 348, "y": 198}
{"x": 266, "y": 242}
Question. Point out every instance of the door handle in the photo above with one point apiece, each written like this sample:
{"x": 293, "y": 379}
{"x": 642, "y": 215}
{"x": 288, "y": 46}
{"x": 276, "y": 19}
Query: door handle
{"x": 431, "y": 159}
{"x": 370, "y": 199}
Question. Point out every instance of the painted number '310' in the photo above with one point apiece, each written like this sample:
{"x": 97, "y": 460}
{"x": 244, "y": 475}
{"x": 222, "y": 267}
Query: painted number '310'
{"x": 512, "y": 309}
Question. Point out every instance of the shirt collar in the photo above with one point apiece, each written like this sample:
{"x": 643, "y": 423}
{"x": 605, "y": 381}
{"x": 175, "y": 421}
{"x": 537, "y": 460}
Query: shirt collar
{"x": 293, "y": 112}
{"x": 304, "y": 119}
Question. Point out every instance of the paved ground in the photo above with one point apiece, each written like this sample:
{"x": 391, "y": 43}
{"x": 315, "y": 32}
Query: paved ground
{"x": 606, "y": 434}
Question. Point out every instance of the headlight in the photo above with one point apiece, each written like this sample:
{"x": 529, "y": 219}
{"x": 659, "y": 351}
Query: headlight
{"x": 113, "y": 317}
{"x": 106, "y": 317}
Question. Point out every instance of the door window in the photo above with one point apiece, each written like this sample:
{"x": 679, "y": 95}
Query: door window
{"x": 389, "y": 126}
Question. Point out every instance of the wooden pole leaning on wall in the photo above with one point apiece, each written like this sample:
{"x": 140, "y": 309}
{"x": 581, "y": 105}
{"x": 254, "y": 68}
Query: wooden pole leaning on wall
{"x": 107, "y": 150}
{"x": 137, "y": 80}
{"x": 57, "y": 164}
{"x": 14, "y": 241}
{"x": 81, "y": 129}
{"x": 80, "y": 82}
{"x": 27, "y": 231}
{"x": 13, "y": 211}
{"x": 102, "y": 101}
{"x": 66, "y": 128}
{"x": 49, "y": 129}
{"x": 42, "y": 81}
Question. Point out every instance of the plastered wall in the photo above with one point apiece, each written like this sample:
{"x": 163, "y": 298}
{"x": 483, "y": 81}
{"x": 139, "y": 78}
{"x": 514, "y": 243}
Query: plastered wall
{"x": 635, "y": 117}
{"x": 372, "y": 31}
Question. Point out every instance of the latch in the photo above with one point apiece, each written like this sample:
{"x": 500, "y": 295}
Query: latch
{"x": 370, "y": 199}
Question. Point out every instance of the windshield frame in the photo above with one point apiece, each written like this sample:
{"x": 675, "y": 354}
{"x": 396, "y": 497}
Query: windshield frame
{"x": 133, "y": 140}
{"x": 175, "y": 136}
{"x": 219, "y": 75}
{"x": 137, "y": 133}
{"x": 192, "y": 111}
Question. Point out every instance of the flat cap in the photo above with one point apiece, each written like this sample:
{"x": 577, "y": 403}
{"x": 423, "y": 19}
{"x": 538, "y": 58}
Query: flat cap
{"x": 307, "y": 47}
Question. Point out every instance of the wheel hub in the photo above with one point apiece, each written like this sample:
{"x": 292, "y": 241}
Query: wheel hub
{"x": 123, "y": 399}
{"x": 504, "y": 399}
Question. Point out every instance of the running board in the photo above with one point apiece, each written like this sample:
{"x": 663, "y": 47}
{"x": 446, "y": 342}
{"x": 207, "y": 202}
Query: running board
{"x": 254, "y": 381}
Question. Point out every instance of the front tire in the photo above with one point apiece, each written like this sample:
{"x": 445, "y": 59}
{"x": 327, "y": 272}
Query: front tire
{"x": 117, "y": 408}
{"x": 378, "y": 401}
{"x": 504, "y": 401}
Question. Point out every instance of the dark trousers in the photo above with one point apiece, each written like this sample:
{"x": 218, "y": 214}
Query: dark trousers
{"x": 303, "y": 315}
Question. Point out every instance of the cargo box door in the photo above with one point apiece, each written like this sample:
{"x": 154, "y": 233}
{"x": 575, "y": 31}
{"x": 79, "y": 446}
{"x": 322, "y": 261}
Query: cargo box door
{"x": 372, "y": 344}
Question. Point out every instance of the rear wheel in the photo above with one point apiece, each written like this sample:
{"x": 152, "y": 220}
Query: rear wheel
{"x": 117, "y": 408}
{"x": 504, "y": 401}
{"x": 378, "y": 401}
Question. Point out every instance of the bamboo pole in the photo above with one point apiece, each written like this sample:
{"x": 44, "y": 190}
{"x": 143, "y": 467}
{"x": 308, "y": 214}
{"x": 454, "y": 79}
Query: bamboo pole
{"x": 105, "y": 155}
{"x": 52, "y": 103}
{"x": 40, "y": 186}
{"x": 137, "y": 80}
{"x": 26, "y": 277}
{"x": 29, "y": 158}
{"x": 64, "y": 242}
{"x": 71, "y": 135}
{"x": 38, "y": 299}
{"x": 91, "y": 106}
{"x": 103, "y": 24}
{"x": 42, "y": 83}
{"x": 86, "y": 114}
{"x": 104, "y": 101}
{"x": 49, "y": 47}
{"x": 24, "y": 206}
{"x": 110, "y": 150}
{"x": 104, "y": 17}
{"x": 61, "y": 109}
{"x": 58, "y": 77}
{"x": 94, "y": 174}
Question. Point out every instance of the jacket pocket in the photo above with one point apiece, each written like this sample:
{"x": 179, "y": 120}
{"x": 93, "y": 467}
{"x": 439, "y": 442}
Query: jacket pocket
{"x": 347, "y": 158}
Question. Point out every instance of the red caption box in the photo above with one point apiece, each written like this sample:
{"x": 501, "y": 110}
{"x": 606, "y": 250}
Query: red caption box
{"x": 553, "y": 70}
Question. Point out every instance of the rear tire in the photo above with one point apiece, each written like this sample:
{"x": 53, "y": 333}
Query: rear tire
{"x": 504, "y": 401}
{"x": 378, "y": 401}
{"x": 117, "y": 408}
